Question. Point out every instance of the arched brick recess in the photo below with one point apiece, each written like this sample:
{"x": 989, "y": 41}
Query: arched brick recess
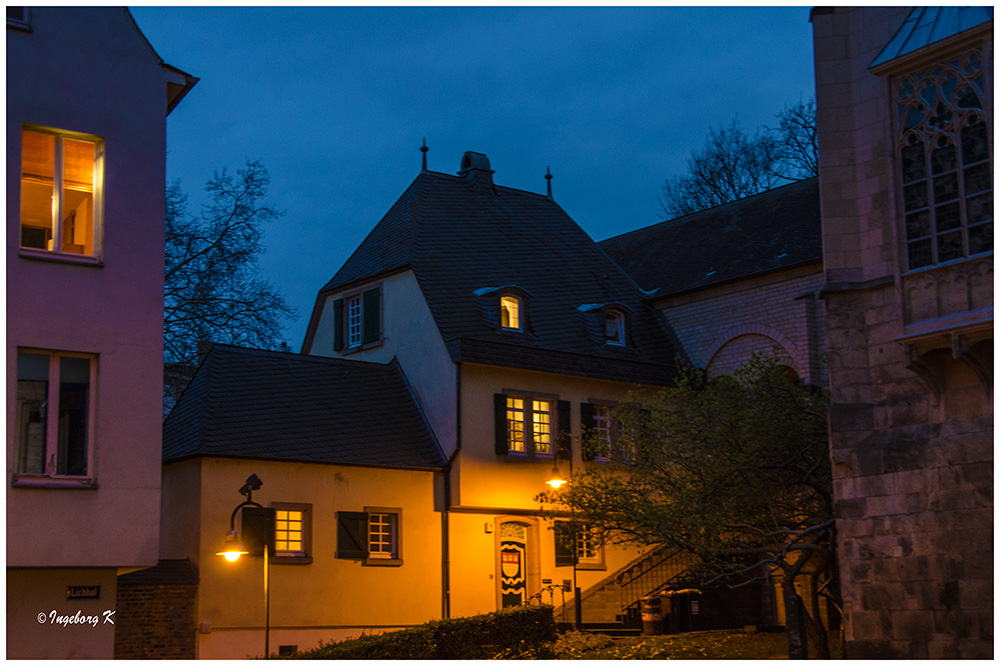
{"x": 746, "y": 338}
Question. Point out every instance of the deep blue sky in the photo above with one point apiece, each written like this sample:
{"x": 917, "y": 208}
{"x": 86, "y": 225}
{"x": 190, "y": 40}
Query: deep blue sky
{"x": 335, "y": 101}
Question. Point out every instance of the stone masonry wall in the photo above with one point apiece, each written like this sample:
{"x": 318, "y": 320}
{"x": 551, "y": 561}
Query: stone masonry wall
{"x": 155, "y": 622}
{"x": 912, "y": 458}
{"x": 753, "y": 315}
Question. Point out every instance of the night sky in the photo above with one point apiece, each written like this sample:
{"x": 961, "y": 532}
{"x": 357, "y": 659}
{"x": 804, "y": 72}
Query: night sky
{"x": 335, "y": 102}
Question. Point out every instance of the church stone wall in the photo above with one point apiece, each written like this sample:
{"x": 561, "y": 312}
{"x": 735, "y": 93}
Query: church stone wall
{"x": 910, "y": 358}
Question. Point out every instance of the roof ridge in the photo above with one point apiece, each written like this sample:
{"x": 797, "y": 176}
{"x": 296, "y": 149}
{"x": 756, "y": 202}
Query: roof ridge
{"x": 299, "y": 356}
{"x": 687, "y": 216}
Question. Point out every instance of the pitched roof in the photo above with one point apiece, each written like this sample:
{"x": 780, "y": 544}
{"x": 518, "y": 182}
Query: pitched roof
{"x": 464, "y": 237}
{"x": 775, "y": 230}
{"x": 251, "y": 403}
{"x": 928, "y": 25}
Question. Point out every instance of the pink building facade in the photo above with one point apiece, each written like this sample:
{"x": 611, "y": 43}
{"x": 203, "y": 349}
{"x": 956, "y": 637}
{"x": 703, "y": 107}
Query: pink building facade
{"x": 87, "y": 101}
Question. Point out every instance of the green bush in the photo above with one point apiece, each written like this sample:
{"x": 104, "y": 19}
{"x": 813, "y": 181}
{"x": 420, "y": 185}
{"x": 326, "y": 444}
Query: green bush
{"x": 521, "y": 631}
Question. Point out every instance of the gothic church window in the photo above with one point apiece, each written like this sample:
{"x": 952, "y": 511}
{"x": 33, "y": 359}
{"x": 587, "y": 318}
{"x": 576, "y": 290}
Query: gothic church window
{"x": 945, "y": 162}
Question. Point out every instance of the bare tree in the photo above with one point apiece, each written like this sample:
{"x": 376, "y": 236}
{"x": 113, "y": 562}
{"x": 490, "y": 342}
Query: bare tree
{"x": 212, "y": 285}
{"x": 732, "y": 165}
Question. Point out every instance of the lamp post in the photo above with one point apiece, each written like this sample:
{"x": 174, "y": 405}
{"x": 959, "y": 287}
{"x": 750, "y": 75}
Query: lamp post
{"x": 234, "y": 547}
{"x": 557, "y": 480}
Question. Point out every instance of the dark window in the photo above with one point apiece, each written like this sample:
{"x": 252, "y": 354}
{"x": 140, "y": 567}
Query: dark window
{"x": 357, "y": 320}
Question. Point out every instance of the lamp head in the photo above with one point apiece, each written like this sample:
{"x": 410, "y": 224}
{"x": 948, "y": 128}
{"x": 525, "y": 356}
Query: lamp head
{"x": 232, "y": 549}
{"x": 556, "y": 479}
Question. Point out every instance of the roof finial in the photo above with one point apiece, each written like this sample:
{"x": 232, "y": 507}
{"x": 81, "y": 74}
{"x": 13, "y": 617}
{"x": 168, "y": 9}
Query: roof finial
{"x": 548, "y": 182}
{"x": 424, "y": 149}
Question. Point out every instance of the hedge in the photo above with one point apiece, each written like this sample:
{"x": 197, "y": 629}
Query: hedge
{"x": 508, "y": 633}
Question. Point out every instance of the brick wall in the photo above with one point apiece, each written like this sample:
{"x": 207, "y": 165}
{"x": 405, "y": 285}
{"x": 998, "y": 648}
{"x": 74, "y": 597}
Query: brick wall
{"x": 911, "y": 418}
{"x": 719, "y": 327}
{"x": 155, "y": 622}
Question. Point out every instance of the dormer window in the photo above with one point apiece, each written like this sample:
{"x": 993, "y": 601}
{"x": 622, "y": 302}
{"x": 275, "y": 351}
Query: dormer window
{"x": 510, "y": 312}
{"x": 614, "y": 327}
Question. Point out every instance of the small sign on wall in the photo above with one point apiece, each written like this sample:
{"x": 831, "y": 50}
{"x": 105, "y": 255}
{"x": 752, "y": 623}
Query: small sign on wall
{"x": 83, "y": 592}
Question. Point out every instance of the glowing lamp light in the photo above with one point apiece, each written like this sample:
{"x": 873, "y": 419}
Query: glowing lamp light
{"x": 556, "y": 480}
{"x": 232, "y": 548}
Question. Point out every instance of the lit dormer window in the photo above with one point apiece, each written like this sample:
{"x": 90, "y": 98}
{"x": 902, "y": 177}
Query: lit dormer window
{"x": 510, "y": 312}
{"x": 614, "y": 327}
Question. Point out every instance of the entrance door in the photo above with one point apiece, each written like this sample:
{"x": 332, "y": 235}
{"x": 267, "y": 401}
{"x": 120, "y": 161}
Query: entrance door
{"x": 513, "y": 563}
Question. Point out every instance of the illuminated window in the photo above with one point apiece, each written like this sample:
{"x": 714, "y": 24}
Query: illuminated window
{"x": 382, "y": 536}
{"x": 614, "y": 328}
{"x": 54, "y": 414}
{"x": 945, "y": 167}
{"x": 510, "y": 312}
{"x": 534, "y": 411}
{"x": 60, "y": 192}
{"x": 292, "y": 530}
{"x": 354, "y": 321}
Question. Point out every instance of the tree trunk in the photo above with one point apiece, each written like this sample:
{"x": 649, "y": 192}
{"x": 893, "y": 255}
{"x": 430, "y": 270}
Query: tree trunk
{"x": 816, "y": 620}
{"x": 798, "y": 645}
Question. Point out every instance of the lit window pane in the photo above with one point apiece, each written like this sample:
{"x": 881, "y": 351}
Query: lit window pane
{"x": 510, "y": 315}
{"x": 542, "y": 425}
{"x": 37, "y": 182}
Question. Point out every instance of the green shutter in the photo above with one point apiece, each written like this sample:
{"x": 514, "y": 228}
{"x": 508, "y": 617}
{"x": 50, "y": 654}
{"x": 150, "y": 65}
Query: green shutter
{"x": 565, "y": 427}
{"x": 352, "y": 535}
{"x": 586, "y": 425}
{"x": 371, "y": 329}
{"x": 338, "y": 324}
{"x": 564, "y": 544}
{"x": 500, "y": 423}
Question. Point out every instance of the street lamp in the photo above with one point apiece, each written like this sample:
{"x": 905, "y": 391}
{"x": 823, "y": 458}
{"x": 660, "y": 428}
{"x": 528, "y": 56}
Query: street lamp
{"x": 262, "y": 522}
{"x": 557, "y": 480}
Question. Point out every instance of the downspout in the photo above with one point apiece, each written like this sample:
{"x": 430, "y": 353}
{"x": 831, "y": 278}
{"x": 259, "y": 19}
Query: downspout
{"x": 445, "y": 525}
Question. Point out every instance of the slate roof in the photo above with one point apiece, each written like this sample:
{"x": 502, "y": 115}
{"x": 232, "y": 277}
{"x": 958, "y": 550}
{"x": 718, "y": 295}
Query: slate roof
{"x": 166, "y": 572}
{"x": 774, "y": 230}
{"x": 250, "y": 403}
{"x": 927, "y": 25}
{"x": 462, "y": 234}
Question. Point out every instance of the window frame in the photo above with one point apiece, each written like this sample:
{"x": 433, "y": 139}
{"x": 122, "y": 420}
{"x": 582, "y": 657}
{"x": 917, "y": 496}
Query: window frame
{"x": 595, "y": 410}
{"x": 371, "y": 331}
{"x": 528, "y": 398}
{"x": 23, "y": 23}
{"x": 349, "y": 528}
{"x": 294, "y": 557}
{"x": 919, "y": 223}
{"x": 60, "y": 136}
{"x": 519, "y": 314}
{"x": 52, "y": 416}
{"x": 620, "y": 324}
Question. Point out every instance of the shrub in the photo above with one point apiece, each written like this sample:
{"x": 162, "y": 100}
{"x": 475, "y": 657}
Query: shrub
{"x": 509, "y": 633}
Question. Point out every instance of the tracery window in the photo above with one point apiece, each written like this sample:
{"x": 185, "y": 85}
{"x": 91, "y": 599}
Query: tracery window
{"x": 945, "y": 164}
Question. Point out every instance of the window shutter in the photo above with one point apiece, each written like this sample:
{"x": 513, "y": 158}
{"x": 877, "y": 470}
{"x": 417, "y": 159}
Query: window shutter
{"x": 565, "y": 427}
{"x": 338, "y": 324}
{"x": 564, "y": 544}
{"x": 500, "y": 423}
{"x": 352, "y": 535}
{"x": 586, "y": 424}
{"x": 371, "y": 330}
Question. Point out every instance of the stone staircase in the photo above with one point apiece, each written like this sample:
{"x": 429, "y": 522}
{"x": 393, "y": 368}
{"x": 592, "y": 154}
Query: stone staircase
{"x": 603, "y": 603}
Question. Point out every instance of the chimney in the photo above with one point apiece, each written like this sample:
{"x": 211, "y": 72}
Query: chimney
{"x": 476, "y": 169}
